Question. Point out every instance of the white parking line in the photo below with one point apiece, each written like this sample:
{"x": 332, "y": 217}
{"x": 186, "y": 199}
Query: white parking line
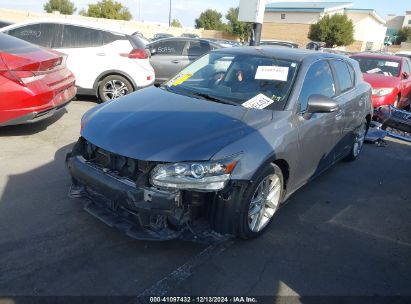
{"x": 176, "y": 277}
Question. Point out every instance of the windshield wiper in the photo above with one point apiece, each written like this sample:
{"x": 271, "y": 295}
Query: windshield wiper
{"x": 214, "y": 98}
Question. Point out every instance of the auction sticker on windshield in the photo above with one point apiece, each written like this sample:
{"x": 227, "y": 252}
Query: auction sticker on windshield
{"x": 272, "y": 73}
{"x": 180, "y": 79}
{"x": 258, "y": 102}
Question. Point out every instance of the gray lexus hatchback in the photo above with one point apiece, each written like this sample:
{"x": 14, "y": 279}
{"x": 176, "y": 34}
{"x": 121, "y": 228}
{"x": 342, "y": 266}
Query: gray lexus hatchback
{"x": 220, "y": 145}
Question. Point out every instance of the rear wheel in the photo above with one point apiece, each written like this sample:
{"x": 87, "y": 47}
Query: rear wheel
{"x": 359, "y": 137}
{"x": 114, "y": 86}
{"x": 260, "y": 202}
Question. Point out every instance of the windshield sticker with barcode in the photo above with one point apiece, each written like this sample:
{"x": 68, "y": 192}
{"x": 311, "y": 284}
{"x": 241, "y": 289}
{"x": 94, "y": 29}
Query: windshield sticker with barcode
{"x": 272, "y": 73}
{"x": 258, "y": 102}
{"x": 180, "y": 79}
{"x": 392, "y": 64}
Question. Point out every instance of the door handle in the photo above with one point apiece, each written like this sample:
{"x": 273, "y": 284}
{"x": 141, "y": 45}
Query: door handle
{"x": 101, "y": 54}
{"x": 175, "y": 61}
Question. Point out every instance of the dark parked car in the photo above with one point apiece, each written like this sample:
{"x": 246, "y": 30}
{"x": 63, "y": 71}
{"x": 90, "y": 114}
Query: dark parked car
{"x": 190, "y": 35}
{"x": 316, "y": 46}
{"x": 225, "y": 141}
{"x": 5, "y": 23}
{"x": 169, "y": 56}
{"x": 279, "y": 43}
{"x": 161, "y": 36}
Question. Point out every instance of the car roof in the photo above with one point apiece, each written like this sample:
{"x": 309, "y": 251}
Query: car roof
{"x": 380, "y": 56}
{"x": 90, "y": 24}
{"x": 298, "y": 55}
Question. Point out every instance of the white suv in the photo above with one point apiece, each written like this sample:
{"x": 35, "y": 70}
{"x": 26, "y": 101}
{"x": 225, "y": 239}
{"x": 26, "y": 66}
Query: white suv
{"x": 107, "y": 62}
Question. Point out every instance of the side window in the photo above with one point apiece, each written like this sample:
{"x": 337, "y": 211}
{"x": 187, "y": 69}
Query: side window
{"x": 352, "y": 73}
{"x": 343, "y": 75}
{"x": 198, "y": 48}
{"x": 78, "y": 37}
{"x": 43, "y": 34}
{"x": 170, "y": 47}
{"x": 406, "y": 68}
{"x": 318, "y": 80}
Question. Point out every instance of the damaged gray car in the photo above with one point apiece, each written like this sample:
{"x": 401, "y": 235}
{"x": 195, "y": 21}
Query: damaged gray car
{"x": 222, "y": 144}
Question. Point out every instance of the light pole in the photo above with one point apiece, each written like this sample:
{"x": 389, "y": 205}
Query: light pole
{"x": 169, "y": 16}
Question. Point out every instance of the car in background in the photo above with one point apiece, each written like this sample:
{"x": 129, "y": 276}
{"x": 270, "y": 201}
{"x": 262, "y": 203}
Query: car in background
{"x": 190, "y": 35}
{"x": 406, "y": 54}
{"x": 316, "y": 46}
{"x": 169, "y": 56}
{"x": 279, "y": 43}
{"x": 161, "y": 36}
{"x": 35, "y": 82}
{"x": 107, "y": 62}
{"x": 4, "y": 23}
{"x": 226, "y": 142}
{"x": 225, "y": 42}
{"x": 389, "y": 77}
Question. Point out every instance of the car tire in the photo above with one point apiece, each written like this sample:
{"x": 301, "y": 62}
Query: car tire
{"x": 114, "y": 86}
{"x": 358, "y": 143}
{"x": 256, "y": 209}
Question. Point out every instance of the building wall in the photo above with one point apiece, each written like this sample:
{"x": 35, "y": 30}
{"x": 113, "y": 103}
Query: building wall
{"x": 395, "y": 22}
{"x": 368, "y": 30}
{"x": 295, "y": 32}
{"x": 407, "y": 19}
{"x": 291, "y": 17}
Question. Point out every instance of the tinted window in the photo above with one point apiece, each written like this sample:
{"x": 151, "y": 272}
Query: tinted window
{"x": 44, "y": 34}
{"x": 12, "y": 45}
{"x": 382, "y": 66}
{"x": 198, "y": 48}
{"x": 77, "y": 37}
{"x": 343, "y": 75}
{"x": 170, "y": 47}
{"x": 318, "y": 80}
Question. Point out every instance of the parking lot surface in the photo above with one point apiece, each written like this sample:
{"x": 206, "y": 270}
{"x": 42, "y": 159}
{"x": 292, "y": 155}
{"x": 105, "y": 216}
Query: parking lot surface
{"x": 346, "y": 233}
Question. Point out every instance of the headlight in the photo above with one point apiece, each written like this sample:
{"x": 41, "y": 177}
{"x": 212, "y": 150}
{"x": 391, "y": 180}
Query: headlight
{"x": 382, "y": 91}
{"x": 202, "y": 176}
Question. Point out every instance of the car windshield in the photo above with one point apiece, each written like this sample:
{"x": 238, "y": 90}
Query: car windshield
{"x": 239, "y": 79}
{"x": 382, "y": 66}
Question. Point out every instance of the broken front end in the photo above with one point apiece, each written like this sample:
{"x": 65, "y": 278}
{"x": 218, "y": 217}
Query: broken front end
{"x": 139, "y": 197}
{"x": 396, "y": 122}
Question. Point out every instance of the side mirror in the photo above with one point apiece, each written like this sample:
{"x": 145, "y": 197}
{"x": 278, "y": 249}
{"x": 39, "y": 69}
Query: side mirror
{"x": 321, "y": 104}
{"x": 405, "y": 75}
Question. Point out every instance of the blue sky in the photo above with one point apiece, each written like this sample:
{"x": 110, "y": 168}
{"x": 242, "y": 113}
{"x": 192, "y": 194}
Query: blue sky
{"x": 187, "y": 10}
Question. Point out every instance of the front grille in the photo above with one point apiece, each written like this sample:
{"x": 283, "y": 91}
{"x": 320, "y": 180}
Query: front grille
{"x": 118, "y": 165}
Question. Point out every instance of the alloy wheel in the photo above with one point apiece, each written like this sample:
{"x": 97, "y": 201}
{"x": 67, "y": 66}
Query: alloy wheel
{"x": 114, "y": 89}
{"x": 359, "y": 140}
{"x": 264, "y": 202}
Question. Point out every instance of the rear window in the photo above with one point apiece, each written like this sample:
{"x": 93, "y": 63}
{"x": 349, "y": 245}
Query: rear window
{"x": 9, "y": 44}
{"x": 381, "y": 66}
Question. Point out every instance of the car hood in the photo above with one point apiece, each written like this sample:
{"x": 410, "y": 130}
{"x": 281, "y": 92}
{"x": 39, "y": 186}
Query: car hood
{"x": 381, "y": 81}
{"x": 156, "y": 125}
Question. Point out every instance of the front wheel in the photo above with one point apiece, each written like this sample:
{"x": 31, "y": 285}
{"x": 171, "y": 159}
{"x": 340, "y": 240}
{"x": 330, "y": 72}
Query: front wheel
{"x": 260, "y": 202}
{"x": 114, "y": 86}
{"x": 359, "y": 138}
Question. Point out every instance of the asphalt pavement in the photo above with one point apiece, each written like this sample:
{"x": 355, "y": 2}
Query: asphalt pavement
{"x": 348, "y": 232}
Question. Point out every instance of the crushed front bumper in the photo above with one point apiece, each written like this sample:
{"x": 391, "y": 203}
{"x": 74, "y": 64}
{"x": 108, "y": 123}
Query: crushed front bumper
{"x": 396, "y": 122}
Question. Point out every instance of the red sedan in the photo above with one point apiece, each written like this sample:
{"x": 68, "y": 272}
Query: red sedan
{"x": 389, "y": 77}
{"x": 34, "y": 82}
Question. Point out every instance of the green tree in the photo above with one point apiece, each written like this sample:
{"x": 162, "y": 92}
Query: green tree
{"x": 336, "y": 30}
{"x": 210, "y": 20}
{"x": 404, "y": 34}
{"x": 176, "y": 23}
{"x": 108, "y": 9}
{"x": 235, "y": 27}
{"x": 65, "y": 7}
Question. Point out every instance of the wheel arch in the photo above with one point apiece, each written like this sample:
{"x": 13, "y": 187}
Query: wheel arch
{"x": 113, "y": 72}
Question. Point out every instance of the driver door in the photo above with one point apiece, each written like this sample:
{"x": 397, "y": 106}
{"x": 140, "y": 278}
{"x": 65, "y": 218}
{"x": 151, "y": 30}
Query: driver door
{"x": 318, "y": 133}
